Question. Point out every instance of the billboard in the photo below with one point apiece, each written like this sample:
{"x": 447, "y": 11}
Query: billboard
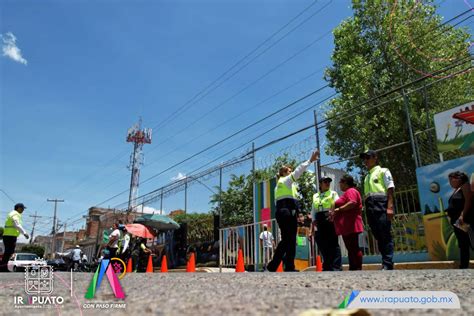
{"x": 455, "y": 129}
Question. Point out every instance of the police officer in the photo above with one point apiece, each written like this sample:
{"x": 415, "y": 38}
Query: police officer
{"x": 13, "y": 228}
{"x": 325, "y": 234}
{"x": 286, "y": 194}
{"x": 378, "y": 196}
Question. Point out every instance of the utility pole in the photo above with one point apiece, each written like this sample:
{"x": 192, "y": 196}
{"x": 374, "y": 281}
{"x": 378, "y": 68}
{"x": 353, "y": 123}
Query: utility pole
{"x": 34, "y": 224}
{"x": 317, "y": 163}
{"x": 64, "y": 237}
{"x": 53, "y": 240}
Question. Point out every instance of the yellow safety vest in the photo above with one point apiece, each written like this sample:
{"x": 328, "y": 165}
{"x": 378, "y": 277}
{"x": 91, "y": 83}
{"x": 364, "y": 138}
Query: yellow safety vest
{"x": 282, "y": 191}
{"x": 374, "y": 183}
{"x": 10, "y": 229}
{"x": 324, "y": 201}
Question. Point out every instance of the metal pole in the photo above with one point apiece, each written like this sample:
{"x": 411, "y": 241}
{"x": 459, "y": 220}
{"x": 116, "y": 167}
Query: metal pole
{"x": 64, "y": 237}
{"x": 254, "y": 210}
{"x": 317, "y": 163}
{"x": 220, "y": 197}
{"x": 34, "y": 225}
{"x": 97, "y": 237}
{"x": 161, "y": 202}
{"x": 186, "y": 195}
{"x": 412, "y": 141}
{"x": 134, "y": 161}
{"x": 53, "y": 247}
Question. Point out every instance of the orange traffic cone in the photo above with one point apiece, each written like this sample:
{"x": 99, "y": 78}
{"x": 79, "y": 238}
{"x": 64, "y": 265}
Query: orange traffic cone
{"x": 164, "y": 264}
{"x": 149, "y": 267}
{"x": 280, "y": 267}
{"x": 240, "y": 262}
{"x": 319, "y": 265}
{"x": 191, "y": 267}
{"x": 129, "y": 265}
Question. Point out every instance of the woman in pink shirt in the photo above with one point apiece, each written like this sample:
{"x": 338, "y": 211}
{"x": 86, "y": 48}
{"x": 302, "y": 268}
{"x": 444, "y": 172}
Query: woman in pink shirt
{"x": 348, "y": 220}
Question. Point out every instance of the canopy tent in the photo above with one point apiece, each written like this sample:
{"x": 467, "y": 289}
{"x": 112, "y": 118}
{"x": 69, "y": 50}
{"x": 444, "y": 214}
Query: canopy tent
{"x": 157, "y": 221}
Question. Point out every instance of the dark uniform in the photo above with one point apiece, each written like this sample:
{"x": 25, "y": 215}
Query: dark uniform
{"x": 325, "y": 235}
{"x": 376, "y": 185}
{"x": 286, "y": 194}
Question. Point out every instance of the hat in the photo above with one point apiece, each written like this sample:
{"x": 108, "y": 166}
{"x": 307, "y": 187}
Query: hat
{"x": 77, "y": 246}
{"x": 369, "y": 153}
{"x": 265, "y": 225}
{"x": 19, "y": 205}
{"x": 325, "y": 179}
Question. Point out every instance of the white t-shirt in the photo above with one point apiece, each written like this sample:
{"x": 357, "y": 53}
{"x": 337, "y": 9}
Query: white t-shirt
{"x": 76, "y": 254}
{"x": 267, "y": 238}
{"x": 388, "y": 179}
{"x": 116, "y": 233}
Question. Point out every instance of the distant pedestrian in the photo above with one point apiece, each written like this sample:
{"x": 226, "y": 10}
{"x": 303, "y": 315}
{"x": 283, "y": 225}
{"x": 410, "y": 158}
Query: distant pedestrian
{"x": 460, "y": 211}
{"x": 13, "y": 228}
{"x": 140, "y": 255}
{"x": 325, "y": 233}
{"x": 113, "y": 244}
{"x": 378, "y": 196}
{"x": 267, "y": 243}
{"x": 348, "y": 220}
{"x": 286, "y": 196}
{"x": 76, "y": 256}
{"x": 125, "y": 245}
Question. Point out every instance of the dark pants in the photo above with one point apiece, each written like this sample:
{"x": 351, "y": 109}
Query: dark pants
{"x": 381, "y": 228}
{"x": 286, "y": 249}
{"x": 354, "y": 253}
{"x": 9, "y": 242}
{"x": 112, "y": 252}
{"x": 463, "y": 243}
{"x": 327, "y": 242}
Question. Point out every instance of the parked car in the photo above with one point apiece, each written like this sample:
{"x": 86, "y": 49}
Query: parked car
{"x": 19, "y": 261}
{"x": 58, "y": 264}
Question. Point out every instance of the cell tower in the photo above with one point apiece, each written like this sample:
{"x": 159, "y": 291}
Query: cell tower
{"x": 138, "y": 137}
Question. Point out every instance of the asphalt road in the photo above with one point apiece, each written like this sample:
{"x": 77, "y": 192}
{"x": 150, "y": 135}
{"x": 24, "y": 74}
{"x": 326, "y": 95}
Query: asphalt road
{"x": 236, "y": 293}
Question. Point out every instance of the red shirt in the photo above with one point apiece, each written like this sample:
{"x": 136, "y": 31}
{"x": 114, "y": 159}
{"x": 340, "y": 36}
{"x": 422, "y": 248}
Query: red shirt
{"x": 349, "y": 221}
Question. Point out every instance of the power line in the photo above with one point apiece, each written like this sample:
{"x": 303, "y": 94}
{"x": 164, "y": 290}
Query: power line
{"x": 438, "y": 26}
{"x": 180, "y": 109}
{"x": 312, "y": 125}
{"x": 8, "y": 196}
{"x": 253, "y": 106}
{"x": 463, "y": 13}
{"x": 170, "y": 117}
{"x": 194, "y": 122}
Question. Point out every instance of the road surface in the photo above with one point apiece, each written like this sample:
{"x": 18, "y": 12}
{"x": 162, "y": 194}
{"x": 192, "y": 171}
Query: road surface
{"x": 237, "y": 293}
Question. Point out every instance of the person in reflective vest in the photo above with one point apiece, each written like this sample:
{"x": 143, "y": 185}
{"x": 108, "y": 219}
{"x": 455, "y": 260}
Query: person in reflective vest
{"x": 286, "y": 194}
{"x": 378, "y": 196}
{"x": 13, "y": 229}
{"x": 325, "y": 233}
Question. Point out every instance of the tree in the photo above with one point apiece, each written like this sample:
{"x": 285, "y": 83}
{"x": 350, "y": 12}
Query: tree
{"x": 384, "y": 45}
{"x": 237, "y": 200}
{"x": 200, "y": 226}
{"x": 36, "y": 249}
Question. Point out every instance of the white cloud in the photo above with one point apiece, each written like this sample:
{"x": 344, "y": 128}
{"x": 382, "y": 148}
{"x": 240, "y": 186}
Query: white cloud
{"x": 178, "y": 177}
{"x": 10, "y": 49}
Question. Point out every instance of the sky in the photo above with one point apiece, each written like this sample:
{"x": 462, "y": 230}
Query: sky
{"x": 75, "y": 75}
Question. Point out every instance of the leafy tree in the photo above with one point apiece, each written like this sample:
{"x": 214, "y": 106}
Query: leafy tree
{"x": 36, "y": 249}
{"x": 384, "y": 45}
{"x": 200, "y": 226}
{"x": 237, "y": 203}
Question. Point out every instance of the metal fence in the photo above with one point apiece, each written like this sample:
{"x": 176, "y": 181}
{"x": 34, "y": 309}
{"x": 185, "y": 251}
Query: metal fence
{"x": 407, "y": 232}
{"x": 246, "y": 238}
